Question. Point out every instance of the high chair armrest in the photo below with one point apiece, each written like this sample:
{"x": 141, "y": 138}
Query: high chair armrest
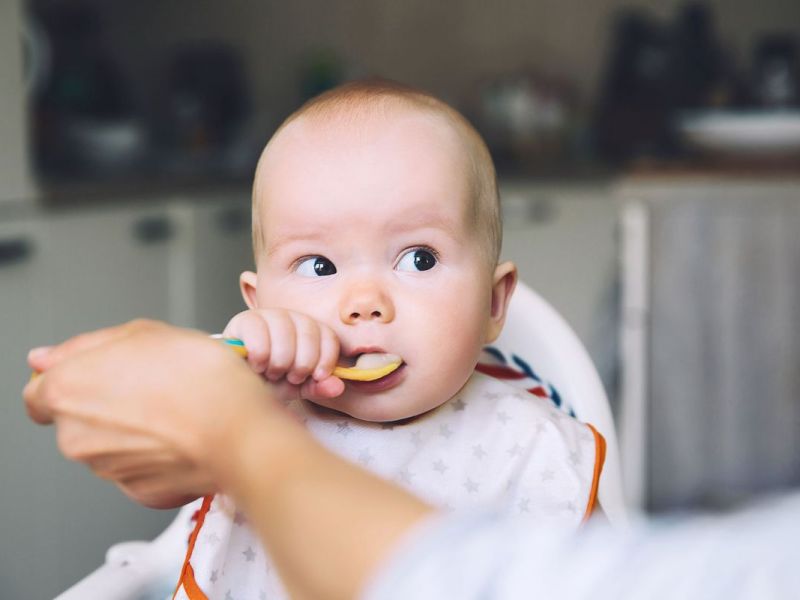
{"x": 139, "y": 570}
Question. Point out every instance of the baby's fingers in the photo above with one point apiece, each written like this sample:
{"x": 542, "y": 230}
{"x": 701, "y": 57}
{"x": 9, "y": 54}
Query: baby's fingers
{"x": 328, "y": 353}
{"x": 307, "y": 348}
{"x": 283, "y": 337}
{"x": 330, "y": 387}
{"x": 253, "y": 330}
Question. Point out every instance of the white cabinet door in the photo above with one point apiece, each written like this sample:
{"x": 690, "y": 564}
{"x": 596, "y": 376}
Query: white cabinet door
{"x": 563, "y": 240}
{"x": 222, "y": 250}
{"x": 23, "y": 473}
{"x": 89, "y": 268}
{"x": 109, "y": 266}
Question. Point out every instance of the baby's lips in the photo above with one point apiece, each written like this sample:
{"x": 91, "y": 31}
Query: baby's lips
{"x": 369, "y": 367}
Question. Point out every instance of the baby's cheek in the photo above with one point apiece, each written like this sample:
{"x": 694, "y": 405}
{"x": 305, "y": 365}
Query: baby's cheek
{"x": 456, "y": 354}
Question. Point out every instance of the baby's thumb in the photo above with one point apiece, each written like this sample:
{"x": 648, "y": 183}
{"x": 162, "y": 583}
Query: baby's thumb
{"x": 330, "y": 387}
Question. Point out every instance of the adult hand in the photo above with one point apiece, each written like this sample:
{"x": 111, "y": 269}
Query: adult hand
{"x": 169, "y": 414}
{"x": 147, "y": 405}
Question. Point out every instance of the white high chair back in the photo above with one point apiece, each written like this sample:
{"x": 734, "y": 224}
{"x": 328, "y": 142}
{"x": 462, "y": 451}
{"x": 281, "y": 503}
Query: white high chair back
{"x": 534, "y": 332}
{"x": 538, "y": 335}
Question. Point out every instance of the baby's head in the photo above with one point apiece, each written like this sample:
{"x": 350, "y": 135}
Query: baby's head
{"x": 375, "y": 211}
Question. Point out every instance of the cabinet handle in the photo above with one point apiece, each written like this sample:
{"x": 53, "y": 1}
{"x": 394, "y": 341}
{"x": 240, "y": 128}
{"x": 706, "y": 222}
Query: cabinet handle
{"x": 15, "y": 251}
{"x": 233, "y": 220}
{"x": 153, "y": 230}
{"x": 542, "y": 211}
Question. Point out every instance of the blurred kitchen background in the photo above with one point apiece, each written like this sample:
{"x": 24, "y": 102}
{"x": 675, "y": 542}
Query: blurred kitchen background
{"x": 649, "y": 161}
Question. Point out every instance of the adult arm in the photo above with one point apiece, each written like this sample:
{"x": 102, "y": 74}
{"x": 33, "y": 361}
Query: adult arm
{"x": 168, "y": 415}
{"x": 751, "y": 555}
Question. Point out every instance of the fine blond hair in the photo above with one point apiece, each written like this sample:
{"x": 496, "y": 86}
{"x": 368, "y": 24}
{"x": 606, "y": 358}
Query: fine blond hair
{"x": 356, "y": 100}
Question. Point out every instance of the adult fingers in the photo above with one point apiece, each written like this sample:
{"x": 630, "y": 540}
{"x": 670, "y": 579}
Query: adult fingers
{"x": 41, "y": 359}
{"x": 36, "y": 404}
{"x": 41, "y": 394}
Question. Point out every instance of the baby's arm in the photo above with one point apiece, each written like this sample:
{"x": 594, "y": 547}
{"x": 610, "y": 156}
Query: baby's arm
{"x": 289, "y": 349}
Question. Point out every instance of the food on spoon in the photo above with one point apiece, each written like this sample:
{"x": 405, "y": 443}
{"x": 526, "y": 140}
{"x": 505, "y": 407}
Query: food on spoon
{"x": 369, "y": 367}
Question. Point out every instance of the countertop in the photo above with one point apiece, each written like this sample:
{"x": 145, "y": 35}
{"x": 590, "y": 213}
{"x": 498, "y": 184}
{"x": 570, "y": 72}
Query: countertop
{"x": 58, "y": 197}
{"x": 67, "y": 197}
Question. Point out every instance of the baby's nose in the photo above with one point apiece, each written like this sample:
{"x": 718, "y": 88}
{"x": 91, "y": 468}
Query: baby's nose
{"x": 366, "y": 302}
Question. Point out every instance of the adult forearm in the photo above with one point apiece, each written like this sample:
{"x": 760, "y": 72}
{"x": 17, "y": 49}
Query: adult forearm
{"x": 166, "y": 413}
{"x": 327, "y": 524}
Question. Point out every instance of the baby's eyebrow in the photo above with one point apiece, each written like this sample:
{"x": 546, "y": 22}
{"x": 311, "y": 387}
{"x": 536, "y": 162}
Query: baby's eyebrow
{"x": 424, "y": 220}
{"x": 275, "y": 243}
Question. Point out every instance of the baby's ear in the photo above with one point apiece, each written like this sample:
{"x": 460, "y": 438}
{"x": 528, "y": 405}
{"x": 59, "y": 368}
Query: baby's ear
{"x": 247, "y": 284}
{"x": 503, "y": 283}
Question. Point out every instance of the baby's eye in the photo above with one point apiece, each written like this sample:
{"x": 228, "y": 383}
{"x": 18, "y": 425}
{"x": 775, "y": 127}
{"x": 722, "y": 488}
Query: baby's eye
{"x": 418, "y": 259}
{"x": 315, "y": 266}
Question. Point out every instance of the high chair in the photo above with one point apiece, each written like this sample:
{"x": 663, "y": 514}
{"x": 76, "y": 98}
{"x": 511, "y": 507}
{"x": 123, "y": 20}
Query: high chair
{"x": 536, "y": 340}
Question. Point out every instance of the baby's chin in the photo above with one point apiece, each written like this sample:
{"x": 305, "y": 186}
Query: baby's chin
{"x": 375, "y": 409}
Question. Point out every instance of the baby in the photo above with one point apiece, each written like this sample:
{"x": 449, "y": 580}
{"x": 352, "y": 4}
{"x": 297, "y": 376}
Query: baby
{"x": 376, "y": 229}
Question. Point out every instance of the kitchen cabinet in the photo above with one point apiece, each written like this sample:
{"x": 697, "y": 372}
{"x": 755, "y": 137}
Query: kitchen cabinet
{"x": 711, "y": 302}
{"x": 66, "y": 272}
{"x": 562, "y": 236}
{"x": 108, "y": 266}
{"x": 31, "y": 476}
{"x": 222, "y": 250}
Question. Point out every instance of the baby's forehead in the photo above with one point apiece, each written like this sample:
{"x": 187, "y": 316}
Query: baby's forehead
{"x": 420, "y": 140}
{"x": 359, "y": 125}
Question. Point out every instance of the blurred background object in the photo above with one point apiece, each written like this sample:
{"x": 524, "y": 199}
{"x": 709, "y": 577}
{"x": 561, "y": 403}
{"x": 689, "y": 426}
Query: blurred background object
{"x": 648, "y": 156}
{"x": 769, "y": 136}
{"x": 527, "y": 120}
{"x": 178, "y": 90}
{"x": 84, "y": 123}
{"x": 776, "y": 71}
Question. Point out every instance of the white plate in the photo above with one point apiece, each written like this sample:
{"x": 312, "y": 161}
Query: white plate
{"x": 743, "y": 133}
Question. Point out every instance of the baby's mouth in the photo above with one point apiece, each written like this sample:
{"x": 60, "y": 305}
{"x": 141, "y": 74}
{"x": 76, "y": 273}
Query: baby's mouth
{"x": 368, "y": 366}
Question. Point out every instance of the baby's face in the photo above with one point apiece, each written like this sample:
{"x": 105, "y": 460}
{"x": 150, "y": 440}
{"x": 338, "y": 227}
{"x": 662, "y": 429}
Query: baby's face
{"x": 369, "y": 233}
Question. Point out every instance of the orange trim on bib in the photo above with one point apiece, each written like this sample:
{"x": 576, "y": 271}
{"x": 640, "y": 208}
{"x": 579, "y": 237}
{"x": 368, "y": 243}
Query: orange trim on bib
{"x": 599, "y": 460}
{"x": 187, "y": 580}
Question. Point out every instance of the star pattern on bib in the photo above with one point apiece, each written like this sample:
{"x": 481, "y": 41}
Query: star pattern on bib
{"x": 366, "y": 457}
{"x": 492, "y": 445}
{"x": 515, "y": 451}
{"x": 503, "y": 417}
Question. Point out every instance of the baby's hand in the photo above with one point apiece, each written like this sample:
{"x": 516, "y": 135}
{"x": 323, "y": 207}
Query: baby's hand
{"x": 290, "y": 349}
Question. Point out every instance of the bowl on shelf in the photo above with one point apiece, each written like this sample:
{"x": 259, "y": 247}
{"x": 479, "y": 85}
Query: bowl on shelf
{"x": 755, "y": 134}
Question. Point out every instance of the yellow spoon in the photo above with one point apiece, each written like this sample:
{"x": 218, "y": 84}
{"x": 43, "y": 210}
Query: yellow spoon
{"x": 351, "y": 373}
